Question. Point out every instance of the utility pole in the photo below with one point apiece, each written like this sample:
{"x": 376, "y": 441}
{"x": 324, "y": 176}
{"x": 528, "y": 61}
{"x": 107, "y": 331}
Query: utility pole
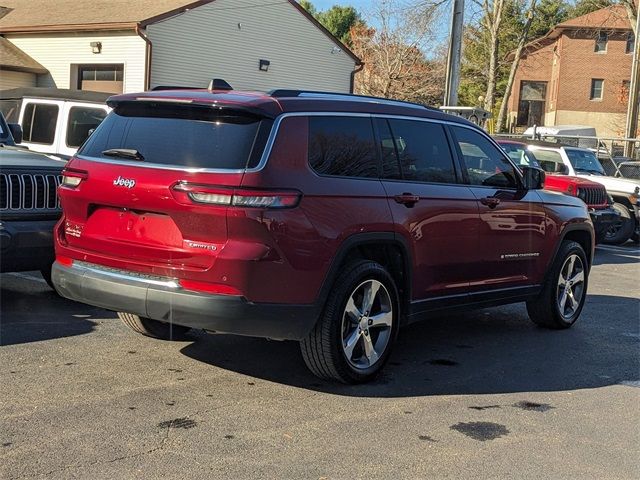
{"x": 634, "y": 86}
{"x": 453, "y": 58}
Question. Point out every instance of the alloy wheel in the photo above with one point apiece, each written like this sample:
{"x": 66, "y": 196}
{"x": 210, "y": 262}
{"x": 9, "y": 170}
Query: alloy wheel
{"x": 366, "y": 324}
{"x": 570, "y": 286}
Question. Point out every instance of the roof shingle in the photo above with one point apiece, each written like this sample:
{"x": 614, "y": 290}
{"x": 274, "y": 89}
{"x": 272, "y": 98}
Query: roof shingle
{"x": 12, "y": 58}
{"x": 27, "y": 14}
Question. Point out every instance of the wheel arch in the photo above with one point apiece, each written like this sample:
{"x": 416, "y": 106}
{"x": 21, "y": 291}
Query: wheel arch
{"x": 385, "y": 248}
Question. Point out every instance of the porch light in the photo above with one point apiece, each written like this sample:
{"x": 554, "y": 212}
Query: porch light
{"x": 96, "y": 47}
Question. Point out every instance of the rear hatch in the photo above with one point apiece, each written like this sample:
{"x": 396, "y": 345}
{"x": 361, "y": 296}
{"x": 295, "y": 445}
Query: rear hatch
{"x": 148, "y": 189}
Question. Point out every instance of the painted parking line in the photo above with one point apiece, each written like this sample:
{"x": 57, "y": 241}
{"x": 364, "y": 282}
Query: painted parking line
{"x": 26, "y": 276}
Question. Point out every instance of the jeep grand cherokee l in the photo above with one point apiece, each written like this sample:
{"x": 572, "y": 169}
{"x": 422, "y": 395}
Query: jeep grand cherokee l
{"x": 324, "y": 218}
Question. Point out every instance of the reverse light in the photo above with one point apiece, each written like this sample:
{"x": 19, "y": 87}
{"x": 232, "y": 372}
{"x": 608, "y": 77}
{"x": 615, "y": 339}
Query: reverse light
{"x": 237, "y": 197}
{"x": 215, "y": 288}
{"x": 72, "y": 178}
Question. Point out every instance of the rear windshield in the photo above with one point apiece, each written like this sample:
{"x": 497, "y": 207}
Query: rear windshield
{"x": 186, "y": 136}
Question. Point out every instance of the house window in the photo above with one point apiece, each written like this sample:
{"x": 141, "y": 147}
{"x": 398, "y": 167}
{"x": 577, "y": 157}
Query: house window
{"x": 631, "y": 43}
{"x": 101, "y": 78}
{"x": 601, "y": 42}
{"x": 597, "y": 86}
{"x": 531, "y": 106}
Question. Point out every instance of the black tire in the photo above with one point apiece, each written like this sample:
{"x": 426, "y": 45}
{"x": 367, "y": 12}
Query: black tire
{"x": 323, "y": 350}
{"x": 545, "y": 310}
{"x": 46, "y": 274}
{"x": 622, "y": 230}
{"x": 153, "y": 328}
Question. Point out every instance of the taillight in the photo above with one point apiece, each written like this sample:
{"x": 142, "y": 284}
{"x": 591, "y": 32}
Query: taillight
{"x": 215, "y": 288}
{"x": 236, "y": 197}
{"x": 71, "y": 178}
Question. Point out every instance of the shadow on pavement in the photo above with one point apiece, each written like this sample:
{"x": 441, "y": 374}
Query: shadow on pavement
{"x": 31, "y": 312}
{"x": 488, "y": 351}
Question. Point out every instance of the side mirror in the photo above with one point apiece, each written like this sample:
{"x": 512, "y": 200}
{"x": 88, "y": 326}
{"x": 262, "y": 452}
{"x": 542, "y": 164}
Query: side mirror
{"x": 563, "y": 169}
{"x": 16, "y": 132}
{"x": 533, "y": 178}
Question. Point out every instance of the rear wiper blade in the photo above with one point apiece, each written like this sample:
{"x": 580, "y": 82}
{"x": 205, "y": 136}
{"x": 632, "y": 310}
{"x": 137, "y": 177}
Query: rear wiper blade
{"x": 130, "y": 153}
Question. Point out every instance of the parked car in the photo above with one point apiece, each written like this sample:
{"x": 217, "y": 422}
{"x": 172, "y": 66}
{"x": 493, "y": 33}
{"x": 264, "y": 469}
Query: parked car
{"x": 29, "y": 207}
{"x": 324, "y": 218}
{"x": 54, "y": 120}
{"x": 599, "y": 203}
{"x": 582, "y": 162}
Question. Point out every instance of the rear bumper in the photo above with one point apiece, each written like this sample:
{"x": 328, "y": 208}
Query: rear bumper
{"x": 164, "y": 300}
{"x": 603, "y": 219}
{"x": 26, "y": 245}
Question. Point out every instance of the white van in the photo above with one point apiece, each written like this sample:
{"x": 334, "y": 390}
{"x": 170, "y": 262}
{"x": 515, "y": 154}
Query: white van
{"x": 55, "y": 121}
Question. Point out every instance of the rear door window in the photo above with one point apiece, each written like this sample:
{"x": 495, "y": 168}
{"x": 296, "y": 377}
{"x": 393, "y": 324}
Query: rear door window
{"x": 423, "y": 151}
{"x": 186, "y": 136}
{"x": 39, "y": 123}
{"x": 342, "y": 146}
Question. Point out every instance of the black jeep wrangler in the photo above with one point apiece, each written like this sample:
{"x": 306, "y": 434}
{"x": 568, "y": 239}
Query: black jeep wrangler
{"x": 29, "y": 206}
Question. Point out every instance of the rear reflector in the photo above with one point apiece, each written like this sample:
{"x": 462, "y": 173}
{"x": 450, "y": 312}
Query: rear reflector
{"x": 64, "y": 261}
{"x": 236, "y": 197}
{"x": 216, "y": 288}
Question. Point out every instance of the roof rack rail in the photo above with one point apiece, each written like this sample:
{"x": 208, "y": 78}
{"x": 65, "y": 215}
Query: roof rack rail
{"x": 282, "y": 93}
{"x": 159, "y": 88}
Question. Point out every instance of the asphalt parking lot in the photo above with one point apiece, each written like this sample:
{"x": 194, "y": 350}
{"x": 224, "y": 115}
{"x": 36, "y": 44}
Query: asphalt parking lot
{"x": 480, "y": 395}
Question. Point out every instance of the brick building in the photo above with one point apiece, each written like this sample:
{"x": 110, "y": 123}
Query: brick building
{"x": 577, "y": 74}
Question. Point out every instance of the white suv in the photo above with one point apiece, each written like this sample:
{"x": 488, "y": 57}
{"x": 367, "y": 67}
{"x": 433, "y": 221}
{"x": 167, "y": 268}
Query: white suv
{"x": 582, "y": 162}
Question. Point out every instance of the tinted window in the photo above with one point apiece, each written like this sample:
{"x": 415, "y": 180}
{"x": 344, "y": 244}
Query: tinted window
{"x": 81, "y": 120}
{"x": 485, "y": 164}
{"x": 584, "y": 161}
{"x": 423, "y": 151}
{"x": 11, "y": 110}
{"x": 186, "y": 136}
{"x": 342, "y": 146}
{"x": 39, "y": 123}
{"x": 390, "y": 165}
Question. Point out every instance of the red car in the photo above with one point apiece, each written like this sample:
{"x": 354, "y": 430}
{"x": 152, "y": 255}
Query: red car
{"x": 324, "y": 218}
{"x": 603, "y": 215}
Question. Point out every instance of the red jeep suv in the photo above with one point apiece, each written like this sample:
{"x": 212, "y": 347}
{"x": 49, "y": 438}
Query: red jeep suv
{"x": 324, "y": 218}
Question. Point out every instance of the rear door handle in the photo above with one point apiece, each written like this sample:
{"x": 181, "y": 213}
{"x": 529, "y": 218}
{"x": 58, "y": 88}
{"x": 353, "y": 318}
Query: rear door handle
{"x": 407, "y": 199}
{"x": 491, "y": 202}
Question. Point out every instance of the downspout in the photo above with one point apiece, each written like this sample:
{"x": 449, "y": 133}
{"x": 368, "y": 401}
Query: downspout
{"x": 352, "y": 82}
{"x": 147, "y": 59}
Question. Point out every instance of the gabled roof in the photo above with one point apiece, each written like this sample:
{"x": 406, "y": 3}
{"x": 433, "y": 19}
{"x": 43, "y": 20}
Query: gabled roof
{"x": 12, "y": 58}
{"x": 609, "y": 18}
{"x": 35, "y": 15}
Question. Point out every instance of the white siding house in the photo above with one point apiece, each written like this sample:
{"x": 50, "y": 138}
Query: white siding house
{"x": 133, "y": 45}
{"x": 62, "y": 53}
{"x": 227, "y": 39}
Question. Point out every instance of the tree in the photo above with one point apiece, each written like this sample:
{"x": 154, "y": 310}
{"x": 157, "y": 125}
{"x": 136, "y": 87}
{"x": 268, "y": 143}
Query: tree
{"x": 338, "y": 20}
{"x": 583, "y": 7}
{"x": 524, "y": 38}
{"x": 395, "y": 65}
{"x": 548, "y": 14}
